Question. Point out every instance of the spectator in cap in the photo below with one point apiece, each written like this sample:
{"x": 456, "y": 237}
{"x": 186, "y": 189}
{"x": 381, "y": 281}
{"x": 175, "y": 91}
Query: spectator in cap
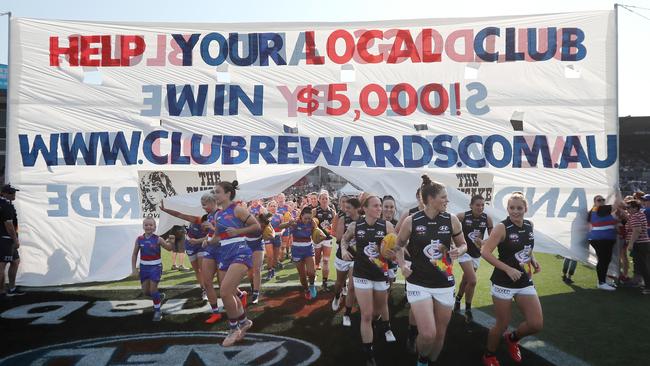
{"x": 9, "y": 243}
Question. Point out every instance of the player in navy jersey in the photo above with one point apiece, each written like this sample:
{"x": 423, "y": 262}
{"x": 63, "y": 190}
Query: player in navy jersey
{"x": 475, "y": 223}
{"x": 512, "y": 278}
{"x": 343, "y": 267}
{"x": 231, "y": 224}
{"x": 429, "y": 279}
{"x": 148, "y": 246}
{"x": 370, "y": 279}
{"x": 324, "y": 213}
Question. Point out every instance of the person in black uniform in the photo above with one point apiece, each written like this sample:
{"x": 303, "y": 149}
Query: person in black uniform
{"x": 370, "y": 280}
{"x": 9, "y": 242}
{"x": 343, "y": 267}
{"x": 430, "y": 279}
{"x": 412, "y": 329}
{"x": 475, "y": 223}
{"x": 512, "y": 278}
{"x": 323, "y": 250}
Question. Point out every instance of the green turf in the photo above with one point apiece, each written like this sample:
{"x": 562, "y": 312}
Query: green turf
{"x": 602, "y": 328}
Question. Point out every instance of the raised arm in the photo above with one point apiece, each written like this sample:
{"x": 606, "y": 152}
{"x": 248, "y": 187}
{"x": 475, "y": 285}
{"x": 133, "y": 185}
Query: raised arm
{"x": 190, "y": 218}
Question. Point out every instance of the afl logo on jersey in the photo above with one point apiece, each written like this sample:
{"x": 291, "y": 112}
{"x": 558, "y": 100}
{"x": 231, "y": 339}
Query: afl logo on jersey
{"x": 531, "y": 236}
{"x": 361, "y": 233}
{"x": 421, "y": 229}
{"x": 432, "y": 251}
{"x": 380, "y": 233}
{"x": 483, "y": 224}
{"x": 469, "y": 221}
{"x": 514, "y": 237}
{"x": 371, "y": 250}
{"x": 444, "y": 229}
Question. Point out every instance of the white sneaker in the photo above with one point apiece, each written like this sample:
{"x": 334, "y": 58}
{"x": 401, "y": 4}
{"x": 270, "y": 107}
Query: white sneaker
{"x": 606, "y": 287}
{"x": 346, "y": 321}
{"x": 344, "y": 292}
{"x": 390, "y": 337}
{"x": 233, "y": 336}
{"x": 335, "y": 304}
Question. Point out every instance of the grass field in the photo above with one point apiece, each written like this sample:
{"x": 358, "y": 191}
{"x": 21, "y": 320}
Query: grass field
{"x": 602, "y": 328}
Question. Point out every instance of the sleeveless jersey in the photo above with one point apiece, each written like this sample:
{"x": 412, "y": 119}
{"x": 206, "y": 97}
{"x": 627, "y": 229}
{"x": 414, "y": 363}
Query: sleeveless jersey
{"x": 302, "y": 232}
{"x": 429, "y": 246}
{"x": 347, "y": 220}
{"x": 149, "y": 250}
{"x": 474, "y": 227}
{"x": 368, "y": 243}
{"x": 225, "y": 219}
{"x": 515, "y": 249}
{"x": 325, "y": 221}
{"x": 275, "y": 221}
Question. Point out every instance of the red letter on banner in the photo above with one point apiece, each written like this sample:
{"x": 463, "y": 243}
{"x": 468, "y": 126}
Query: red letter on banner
{"x": 72, "y": 51}
{"x": 127, "y": 51}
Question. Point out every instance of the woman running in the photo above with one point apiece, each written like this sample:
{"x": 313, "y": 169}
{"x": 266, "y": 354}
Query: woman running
{"x": 475, "y": 222}
{"x": 325, "y": 214}
{"x": 388, "y": 209}
{"x": 285, "y": 238}
{"x": 370, "y": 280}
{"x": 231, "y": 225}
{"x": 302, "y": 250}
{"x": 254, "y": 242}
{"x": 512, "y": 278}
{"x": 148, "y": 245}
{"x": 273, "y": 246}
{"x": 430, "y": 279}
{"x": 343, "y": 273}
{"x": 197, "y": 233}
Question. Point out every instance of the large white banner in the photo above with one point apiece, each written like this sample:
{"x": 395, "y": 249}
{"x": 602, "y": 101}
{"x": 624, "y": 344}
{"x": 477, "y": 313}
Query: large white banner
{"x": 486, "y": 105}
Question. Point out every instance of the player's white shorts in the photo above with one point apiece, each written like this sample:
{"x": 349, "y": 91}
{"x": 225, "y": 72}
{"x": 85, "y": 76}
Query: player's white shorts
{"x": 324, "y": 243}
{"x": 506, "y": 293}
{"x": 362, "y": 283}
{"x": 444, "y": 296}
{"x": 466, "y": 258}
{"x": 343, "y": 266}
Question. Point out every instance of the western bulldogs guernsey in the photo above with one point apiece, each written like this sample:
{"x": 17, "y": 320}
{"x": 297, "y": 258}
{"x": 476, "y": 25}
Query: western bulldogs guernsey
{"x": 325, "y": 221}
{"x": 368, "y": 243}
{"x": 429, "y": 245}
{"x": 149, "y": 250}
{"x": 474, "y": 227}
{"x": 515, "y": 249}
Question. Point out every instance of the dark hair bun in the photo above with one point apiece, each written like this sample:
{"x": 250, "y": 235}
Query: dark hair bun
{"x": 235, "y": 184}
{"x": 426, "y": 180}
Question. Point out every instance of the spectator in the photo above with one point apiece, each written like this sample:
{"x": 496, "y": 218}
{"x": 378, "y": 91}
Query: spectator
{"x": 568, "y": 269}
{"x": 646, "y": 209}
{"x": 602, "y": 237}
{"x": 9, "y": 243}
{"x": 639, "y": 243}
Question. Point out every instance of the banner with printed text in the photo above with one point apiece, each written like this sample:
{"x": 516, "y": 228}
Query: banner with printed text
{"x": 486, "y": 105}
